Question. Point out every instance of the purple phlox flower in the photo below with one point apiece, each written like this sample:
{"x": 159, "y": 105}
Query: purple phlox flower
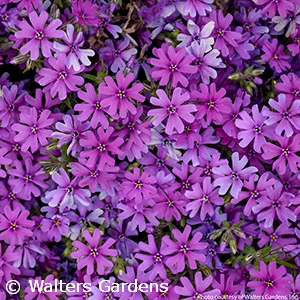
{"x": 119, "y": 96}
{"x": 286, "y": 153}
{"x": 140, "y": 214}
{"x": 121, "y": 233}
{"x": 290, "y": 86}
{"x": 8, "y": 198}
{"x": 153, "y": 263}
{"x": 41, "y": 104}
{"x": 195, "y": 35}
{"x": 138, "y": 186}
{"x": 206, "y": 61}
{"x": 67, "y": 195}
{"x": 203, "y": 198}
{"x": 171, "y": 63}
{"x": 56, "y": 227}
{"x": 275, "y": 56}
{"x": 253, "y": 128}
{"x": 38, "y": 34}
{"x": 109, "y": 206}
{"x": 294, "y": 286}
{"x": 271, "y": 281}
{"x": 82, "y": 220}
{"x": 71, "y": 131}
{"x": 7, "y": 257}
{"x": 15, "y": 226}
{"x": 212, "y": 104}
{"x": 294, "y": 47}
{"x": 75, "y": 54}
{"x": 94, "y": 253}
{"x": 194, "y": 7}
{"x": 233, "y": 177}
{"x": 104, "y": 22}
{"x": 183, "y": 249}
{"x": 276, "y": 237}
{"x": 250, "y": 20}
{"x": 197, "y": 151}
{"x": 170, "y": 205}
{"x": 32, "y": 129}
{"x": 255, "y": 191}
{"x": 43, "y": 292}
{"x": 290, "y": 181}
{"x": 208, "y": 165}
{"x": 115, "y": 55}
{"x": 201, "y": 289}
{"x": 9, "y": 17}
{"x": 174, "y": 109}
{"x": 58, "y": 78}
{"x": 135, "y": 134}
{"x": 92, "y": 108}
{"x": 27, "y": 4}
{"x": 271, "y": 7}
{"x": 274, "y": 204}
{"x": 86, "y": 12}
{"x": 224, "y": 37}
{"x": 10, "y": 100}
{"x": 170, "y": 294}
{"x": 5, "y": 161}
{"x": 37, "y": 232}
{"x": 188, "y": 176}
{"x": 286, "y": 114}
{"x": 93, "y": 178}
{"x": 28, "y": 251}
{"x": 226, "y": 286}
{"x": 27, "y": 181}
{"x": 244, "y": 48}
{"x": 101, "y": 145}
{"x": 291, "y": 19}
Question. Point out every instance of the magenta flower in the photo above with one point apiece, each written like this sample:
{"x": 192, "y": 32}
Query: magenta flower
{"x": 118, "y": 96}
{"x": 101, "y": 145}
{"x": 270, "y": 281}
{"x": 32, "y": 129}
{"x": 275, "y": 203}
{"x": 226, "y": 286}
{"x": 290, "y": 86}
{"x": 233, "y": 177}
{"x": 253, "y": 128}
{"x": 286, "y": 114}
{"x": 183, "y": 249}
{"x": 171, "y": 64}
{"x": 92, "y": 107}
{"x": 286, "y": 153}
{"x": 15, "y": 226}
{"x": 137, "y": 186}
{"x": 56, "y": 227}
{"x": 174, "y": 109}
{"x": 28, "y": 181}
{"x": 212, "y": 104}
{"x": 75, "y": 54}
{"x": 271, "y": 7}
{"x": 93, "y": 254}
{"x": 7, "y": 258}
{"x": 275, "y": 55}
{"x": 192, "y": 7}
{"x": 203, "y": 197}
{"x": 38, "y": 34}
{"x": 4, "y": 161}
{"x": 58, "y": 78}
{"x": 86, "y": 12}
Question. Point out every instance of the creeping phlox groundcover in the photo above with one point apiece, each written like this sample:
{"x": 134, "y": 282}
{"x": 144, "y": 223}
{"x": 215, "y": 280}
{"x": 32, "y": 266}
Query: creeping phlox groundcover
{"x": 150, "y": 142}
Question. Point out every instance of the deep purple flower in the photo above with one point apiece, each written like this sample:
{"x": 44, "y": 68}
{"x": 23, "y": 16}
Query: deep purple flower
{"x": 118, "y": 95}
{"x": 194, "y": 7}
{"x": 86, "y": 12}
{"x": 233, "y": 177}
{"x": 55, "y": 228}
{"x": 226, "y": 286}
{"x": 183, "y": 249}
{"x": 73, "y": 49}
{"x": 58, "y": 78}
{"x": 171, "y": 63}
{"x": 4, "y": 161}
{"x": 271, "y": 281}
{"x": 7, "y": 258}
{"x": 282, "y": 6}
{"x": 290, "y": 86}
{"x": 174, "y": 109}
{"x": 15, "y": 226}
{"x": 38, "y": 34}
{"x": 95, "y": 253}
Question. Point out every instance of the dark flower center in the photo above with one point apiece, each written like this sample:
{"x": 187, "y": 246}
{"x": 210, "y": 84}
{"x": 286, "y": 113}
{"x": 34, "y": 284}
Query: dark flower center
{"x": 121, "y": 94}
{"x": 102, "y": 147}
{"x": 62, "y": 75}
{"x": 27, "y": 177}
{"x": 160, "y": 162}
{"x": 285, "y": 152}
{"x": 254, "y": 194}
{"x": 34, "y": 129}
{"x": 275, "y": 56}
{"x": 102, "y": 23}
{"x": 98, "y": 106}
{"x": 275, "y": 204}
{"x": 166, "y": 142}
{"x": 269, "y": 282}
{"x": 117, "y": 53}
{"x": 197, "y": 296}
{"x": 296, "y": 93}
{"x": 173, "y": 67}
{"x": 11, "y": 195}
{"x": 273, "y": 237}
{"x": 247, "y": 26}
{"x": 204, "y": 198}
{"x": 257, "y": 129}
{"x": 39, "y": 35}
{"x": 16, "y": 147}
{"x": 234, "y": 175}
{"x": 196, "y": 37}
{"x": 131, "y": 126}
{"x": 69, "y": 190}
{"x": 211, "y": 104}
{"x": 184, "y": 248}
{"x": 122, "y": 237}
{"x": 13, "y": 225}
{"x": 220, "y": 32}
{"x": 94, "y": 174}
{"x": 186, "y": 184}
{"x": 286, "y": 114}
{"x": 171, "y": 109}
{"x": 207, "y": 170}
{"x": 82, "y": 15}
{"x": 94, "y": 252}
{"x": 212, "y": 252}
{"x": 11, "y": 107}
{"x": 138, "y": 184}
{"x": 56, "y": 222}
{"x": 75, "y": 134}
{"x": 158, "y": 257}
{"x": 73, "y": 48}
{"x": 170, "y": 202}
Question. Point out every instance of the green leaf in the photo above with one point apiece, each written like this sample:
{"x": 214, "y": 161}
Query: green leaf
{"x": 285, "y": 263}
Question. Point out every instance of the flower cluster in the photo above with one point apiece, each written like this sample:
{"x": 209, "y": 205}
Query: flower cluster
{"x": 150, "y": 141}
